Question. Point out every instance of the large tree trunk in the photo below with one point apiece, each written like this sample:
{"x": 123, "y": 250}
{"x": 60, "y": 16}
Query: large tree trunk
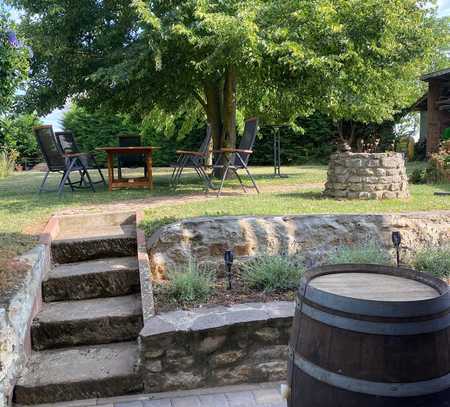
{"x": 221, "y": 105}
{"x": 214, "y": 113}
{"x": 229, "y": 108}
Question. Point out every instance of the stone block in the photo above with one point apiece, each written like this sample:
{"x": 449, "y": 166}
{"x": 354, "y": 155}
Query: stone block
{"x": 267, "y": 334}
{"x": 227, "y": 358}
{"x": 389, "y": 162}
{"x": 366, "y": 172}
{"x": 354, "y": 163}
{"x": 373, "y": 163}
{"x": 389, "y": 195}
{"x": 211, "y": 344}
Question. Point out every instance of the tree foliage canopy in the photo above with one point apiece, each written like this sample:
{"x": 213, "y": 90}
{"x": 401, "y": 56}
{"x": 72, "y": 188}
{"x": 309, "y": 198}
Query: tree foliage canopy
{"x": 354, "y": 60}
{"x": 13, "y": 61}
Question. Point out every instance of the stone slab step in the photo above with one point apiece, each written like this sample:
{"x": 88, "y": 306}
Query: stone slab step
{"x": 92, "y": 279}
{"x": 105, "y": 241}
{"x": 79, "y": 373}
{"x": 87, "y": 322}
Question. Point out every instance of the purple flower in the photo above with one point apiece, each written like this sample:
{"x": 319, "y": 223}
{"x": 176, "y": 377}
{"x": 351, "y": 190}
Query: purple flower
{"x": 12, "y": 39}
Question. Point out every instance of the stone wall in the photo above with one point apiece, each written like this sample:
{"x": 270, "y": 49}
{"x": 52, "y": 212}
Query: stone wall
{"x": 16, "y": 312}
{"x": 206, "y": 239}
{"x": 216, "y": 346}
{"x": 367, "y": 176}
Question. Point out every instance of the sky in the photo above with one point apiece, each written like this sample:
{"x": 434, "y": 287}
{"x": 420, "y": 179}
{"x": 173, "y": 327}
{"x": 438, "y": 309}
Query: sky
{"x": 55, "y": 117}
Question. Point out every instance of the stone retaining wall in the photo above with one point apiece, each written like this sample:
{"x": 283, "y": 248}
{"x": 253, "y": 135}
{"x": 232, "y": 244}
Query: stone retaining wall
{"x": 16, "y": 314}
{"x": 206, "y": 239}
{"x": 367, "y": 176}
{"x": 216, "y": 346}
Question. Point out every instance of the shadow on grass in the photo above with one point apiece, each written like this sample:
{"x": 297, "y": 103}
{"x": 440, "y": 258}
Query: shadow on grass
{"x": 314, "y": 195}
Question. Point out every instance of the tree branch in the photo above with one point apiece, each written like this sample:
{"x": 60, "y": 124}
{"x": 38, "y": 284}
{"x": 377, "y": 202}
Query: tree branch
{"x": 200, "y": 100}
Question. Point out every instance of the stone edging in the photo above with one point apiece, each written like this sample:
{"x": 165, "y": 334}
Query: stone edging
{"x": 17, "y": 314}
{"x": 145, "y": 274}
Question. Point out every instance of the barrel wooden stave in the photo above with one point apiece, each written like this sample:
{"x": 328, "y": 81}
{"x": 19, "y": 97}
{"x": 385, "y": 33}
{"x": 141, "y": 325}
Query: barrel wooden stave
{"x": 361, "y": 354}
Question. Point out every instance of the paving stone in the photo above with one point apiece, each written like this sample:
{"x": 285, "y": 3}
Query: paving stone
{"x": 240, "y": 399}
{"x": 186, "y": 402}
{"x": 267, "y": 396}
{"x": 157, "y": 403}
{"x": 214, "y": 400}
{"x": 129, "y": 404}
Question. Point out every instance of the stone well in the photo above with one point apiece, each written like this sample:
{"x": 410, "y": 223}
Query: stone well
{"x": 367, "y": 176}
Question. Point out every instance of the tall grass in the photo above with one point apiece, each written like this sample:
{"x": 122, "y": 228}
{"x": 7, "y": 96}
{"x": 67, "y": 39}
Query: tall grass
{"x": 364, "y": 253}
{"x": 273, "y": 273}
{"x": 7, "y": 163}
{"x": 190, "y": 284}
{"x": 433, "y": 260}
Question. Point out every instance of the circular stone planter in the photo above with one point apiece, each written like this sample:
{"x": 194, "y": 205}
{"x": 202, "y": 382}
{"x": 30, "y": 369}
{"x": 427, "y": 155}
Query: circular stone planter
{"x": 367, "y": 176}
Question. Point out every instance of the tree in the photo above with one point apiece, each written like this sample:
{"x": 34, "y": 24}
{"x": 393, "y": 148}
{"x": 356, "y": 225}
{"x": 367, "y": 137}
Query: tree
{"x": 174, "y": 58}
{"x": 369, "y": 55}
{"x": 13, "y": 61}
{"x": 354, "y": 60}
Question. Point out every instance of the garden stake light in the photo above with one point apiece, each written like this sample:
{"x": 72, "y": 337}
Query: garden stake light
{"x": 229, "y": 258}
{"x": 397, "y": 239}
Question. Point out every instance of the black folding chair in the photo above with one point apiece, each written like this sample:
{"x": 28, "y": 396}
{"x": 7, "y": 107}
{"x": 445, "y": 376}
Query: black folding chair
{"x": 68, "y": 145}
{"x": 235, "y": 159}
{"x": 64, "y": 164}
{"x": 193, "y": 159}
{"x": 130, "y": 160}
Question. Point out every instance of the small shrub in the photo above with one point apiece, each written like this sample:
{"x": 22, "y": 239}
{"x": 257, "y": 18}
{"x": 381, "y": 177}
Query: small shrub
{"x": 433, "y": 260}
{"x": 273, "y": 273}
{"x": 418, "y": 176}
{"x": 190, "y": 285}
{"x": 366, "y": 253}
{"x": 7, "y": 163}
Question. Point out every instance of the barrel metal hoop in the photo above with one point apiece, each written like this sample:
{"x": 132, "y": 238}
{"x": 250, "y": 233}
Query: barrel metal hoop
{"x": 393, "y": 309}
{"x": 378, "y": 328}
{"x": 373, "y": 388}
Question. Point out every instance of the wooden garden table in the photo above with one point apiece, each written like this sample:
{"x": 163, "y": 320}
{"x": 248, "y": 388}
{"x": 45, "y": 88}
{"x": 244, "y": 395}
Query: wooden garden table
{"x": 141, "y": 182}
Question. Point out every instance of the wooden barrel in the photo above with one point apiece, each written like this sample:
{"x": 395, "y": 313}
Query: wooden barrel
{"x": 370, "y": 336}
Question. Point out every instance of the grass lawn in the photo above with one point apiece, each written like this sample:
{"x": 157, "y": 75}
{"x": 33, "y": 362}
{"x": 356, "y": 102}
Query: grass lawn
{"x": 23, "y": 213}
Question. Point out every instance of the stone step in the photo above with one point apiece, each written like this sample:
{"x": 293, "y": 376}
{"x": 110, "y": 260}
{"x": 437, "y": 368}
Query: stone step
{"x": 104, "y": 241}
{"x": 92, "y": 279}
{"x": 87, "y": 322}
{"x": 86, "y": 372}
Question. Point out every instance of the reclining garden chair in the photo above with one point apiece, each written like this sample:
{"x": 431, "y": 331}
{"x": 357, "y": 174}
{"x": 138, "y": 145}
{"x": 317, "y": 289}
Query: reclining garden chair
{"x": 68, "y": 145}
{"x": 58, "y": 161}
{"x": 130, "y": 160}
{"x": 236, "y": 159}
{"x": 193, "y": 159}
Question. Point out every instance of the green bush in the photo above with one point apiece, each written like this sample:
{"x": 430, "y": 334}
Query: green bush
{"x": 418, "y": 176}
{"x": 7, "y": 163}
{"x": 16, "y": 133}
{"x": 100, "y": 129}
{"x": 433, "y": 260}
{"x": 190, "y": 285}
{"x": 365, "y": 253}
{"x": 273, "y": 273}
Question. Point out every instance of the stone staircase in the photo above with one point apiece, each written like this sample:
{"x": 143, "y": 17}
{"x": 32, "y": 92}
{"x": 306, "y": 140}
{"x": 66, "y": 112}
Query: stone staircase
{"x": 84, "y": 338}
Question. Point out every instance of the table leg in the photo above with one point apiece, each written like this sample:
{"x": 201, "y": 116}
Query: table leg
{"x": 149, "y": 162}
{"x": 110, "y": 170}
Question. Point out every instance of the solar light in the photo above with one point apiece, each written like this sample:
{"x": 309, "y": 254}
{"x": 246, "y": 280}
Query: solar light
{"x": 397, "y": 240}
{"x": 229, "y": 258}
